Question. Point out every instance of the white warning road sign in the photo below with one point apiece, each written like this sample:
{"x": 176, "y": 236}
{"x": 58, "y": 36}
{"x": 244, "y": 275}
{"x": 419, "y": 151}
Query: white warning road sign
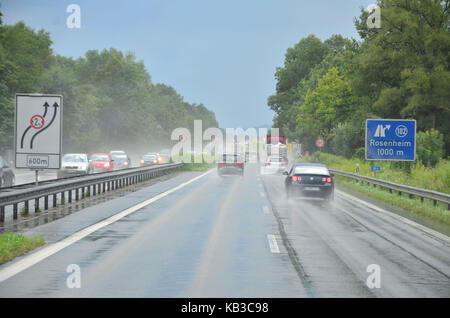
{"x": 38, "y": 130}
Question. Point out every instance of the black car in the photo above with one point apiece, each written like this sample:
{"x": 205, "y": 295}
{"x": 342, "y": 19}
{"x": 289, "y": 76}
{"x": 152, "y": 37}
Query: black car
{"x": 7, "y": 177}
{"x": 231, "y": 164}
{"x": 309, "y": 180}
{"x": 121, "y": 159}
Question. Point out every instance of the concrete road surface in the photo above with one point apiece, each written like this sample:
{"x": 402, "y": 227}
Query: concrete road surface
{"x": 230, "y": 237}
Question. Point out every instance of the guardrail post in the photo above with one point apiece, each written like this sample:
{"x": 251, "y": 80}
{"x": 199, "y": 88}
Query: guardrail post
{"x": 46, "y": 202}
{"x": 2, "y": 214}
{"x": 70, "y": 196}
{"x": 26, "y": 207}
{"x": 400, "y": 193}
{"x": 36, "y": 205}
{"x": 54, "y": 200}
{"x": 15, "y": 211}
{"x": 434, "y": 202}
{"x": 94, "y": 189}
{"x": 63, "y": 198}
{"x": 77, "y": 194}
{"x": 82, "y": 192}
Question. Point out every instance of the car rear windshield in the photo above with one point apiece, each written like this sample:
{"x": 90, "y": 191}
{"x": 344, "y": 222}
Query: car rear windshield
{"x": 231, "y": 158}
{"x": 275, "y": 159}
{"x": 311, "y": 170}
{"x": 99, "y": 158}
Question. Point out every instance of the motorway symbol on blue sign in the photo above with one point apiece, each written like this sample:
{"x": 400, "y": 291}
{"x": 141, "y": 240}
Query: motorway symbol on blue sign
{"x": 375, "y": 168}
{"x": 390, "y": 139}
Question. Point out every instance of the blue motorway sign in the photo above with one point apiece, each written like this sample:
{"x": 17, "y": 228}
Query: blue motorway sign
{"x": 375, "y": 168}
{"x": 390, "y": 139}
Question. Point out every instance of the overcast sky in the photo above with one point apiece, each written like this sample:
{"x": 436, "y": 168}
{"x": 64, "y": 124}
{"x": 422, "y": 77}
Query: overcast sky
{"x": 219, "y": 53}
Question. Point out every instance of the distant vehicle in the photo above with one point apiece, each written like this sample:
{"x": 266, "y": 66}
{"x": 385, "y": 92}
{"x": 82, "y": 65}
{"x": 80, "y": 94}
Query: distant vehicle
{"x": 165, "y": 155}
{"x": 102, "y": 162}
{"x": 121, "y": 159}
{"x": 231, "y": 164}
{"x": 309, "y": 180}
{"x": 74, "y": 164}
{"x": 275, "y": 164}
{"x": 151, "y": 158}
{"x": 7, "y": 178}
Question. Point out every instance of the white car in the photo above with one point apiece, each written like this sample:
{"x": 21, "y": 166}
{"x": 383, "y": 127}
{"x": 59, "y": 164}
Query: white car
{"x": 74, "y": 164}
{"x": 275, "y": 164}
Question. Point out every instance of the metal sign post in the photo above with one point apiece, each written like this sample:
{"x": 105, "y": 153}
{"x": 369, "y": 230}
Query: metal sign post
{"x": 38, "y": 131}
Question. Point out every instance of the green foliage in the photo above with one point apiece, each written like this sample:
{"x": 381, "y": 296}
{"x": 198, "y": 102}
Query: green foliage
{"x": 13, "y": 245}
{"x": 430, "y": 147}
{"x": 109, "y": 98}
{"x": 413, "y": 174}
{"x": 401, "y": 70}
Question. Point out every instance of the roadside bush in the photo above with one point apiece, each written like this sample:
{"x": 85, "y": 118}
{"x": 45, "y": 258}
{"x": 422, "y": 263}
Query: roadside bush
{"x": 430, "y": 147}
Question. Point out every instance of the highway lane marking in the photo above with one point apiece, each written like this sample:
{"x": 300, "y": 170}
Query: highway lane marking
{"x": 53, "y": 248}
{"x": 273, "y": 243}
{"x": 266, "y": 209}
{"x": 425, "y": 229}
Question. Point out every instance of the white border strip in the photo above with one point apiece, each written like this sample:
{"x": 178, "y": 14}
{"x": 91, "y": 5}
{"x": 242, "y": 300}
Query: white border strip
{"x": 51, "y": 249}
{"x": 400, "y": 218}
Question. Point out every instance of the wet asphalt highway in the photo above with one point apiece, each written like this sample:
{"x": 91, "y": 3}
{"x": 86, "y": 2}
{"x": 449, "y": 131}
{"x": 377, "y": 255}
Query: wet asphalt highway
{"x": 235, "y": 237}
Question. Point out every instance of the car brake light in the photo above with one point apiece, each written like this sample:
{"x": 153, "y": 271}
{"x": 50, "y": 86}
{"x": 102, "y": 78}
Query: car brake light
{"x": 296, "y": 178}
{"x": 238, "y": 163}
{"x": 283, "y": 163}
{"x": 329, "y": 180}
{"x": 106, "y": 164}
{"x": 221, "y": 163}
{"x": 267, "y": 163}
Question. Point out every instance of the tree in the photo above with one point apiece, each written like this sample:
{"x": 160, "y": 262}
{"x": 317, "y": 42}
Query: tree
{"x": 332, "y": 102}
{"x": 404, "y": 66}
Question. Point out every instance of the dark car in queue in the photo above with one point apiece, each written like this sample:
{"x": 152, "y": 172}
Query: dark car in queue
{"x": 101, "y": 162}
{"x": 311, "y": 180}
{"x": 150, "y": 158}
{"x": 7, "y": 177}
{"x": 231, "y": 164}
{"x": 121, "y": 159}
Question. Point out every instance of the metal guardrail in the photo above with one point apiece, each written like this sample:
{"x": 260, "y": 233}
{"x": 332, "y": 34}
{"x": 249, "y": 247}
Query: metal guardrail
{"x": 92, "y": 184}
{"x": 412, "y": 191}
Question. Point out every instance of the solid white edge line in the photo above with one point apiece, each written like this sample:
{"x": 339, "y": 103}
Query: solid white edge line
{"x": 425, "y": 229}
{"x": 273, "y": 245}
{"x": 53, "y": 248}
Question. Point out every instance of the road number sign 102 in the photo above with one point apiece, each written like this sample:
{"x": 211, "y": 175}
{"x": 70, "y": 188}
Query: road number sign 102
{"x": 37, "y": 161}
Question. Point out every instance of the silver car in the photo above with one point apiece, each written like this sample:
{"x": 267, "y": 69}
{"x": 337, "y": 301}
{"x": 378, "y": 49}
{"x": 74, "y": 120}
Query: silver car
{"x": 75, "y": 164}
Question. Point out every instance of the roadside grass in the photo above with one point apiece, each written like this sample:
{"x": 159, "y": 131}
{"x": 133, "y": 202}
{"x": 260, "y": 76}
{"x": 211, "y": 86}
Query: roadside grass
{"x": 437, "y": 178}
{"x": 414, "y": 205}
{"x": 13, "y": 245}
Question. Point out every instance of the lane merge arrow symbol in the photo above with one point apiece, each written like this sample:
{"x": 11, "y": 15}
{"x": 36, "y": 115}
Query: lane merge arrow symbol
{"x": 55, "y": 107}
{"x": 46, "y": 106}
